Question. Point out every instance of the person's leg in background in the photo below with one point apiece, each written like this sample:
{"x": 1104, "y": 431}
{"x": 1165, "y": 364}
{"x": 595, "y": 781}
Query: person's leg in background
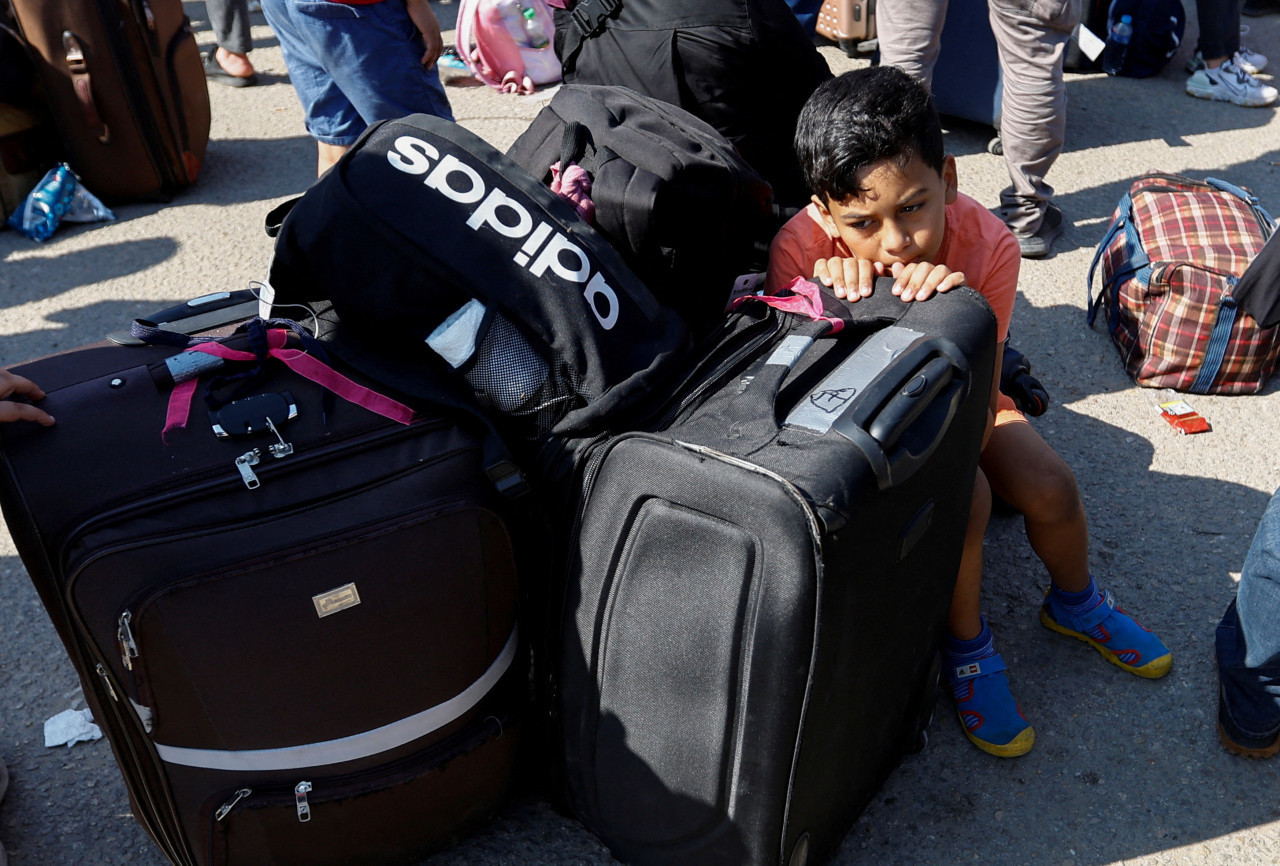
{"x": 1220, "y": 70}
{"x": 229, "y": 63}
{"x": 1032, "y": 39}
{"x": 1248, "y": 648}
{"x": 909, "y": 33}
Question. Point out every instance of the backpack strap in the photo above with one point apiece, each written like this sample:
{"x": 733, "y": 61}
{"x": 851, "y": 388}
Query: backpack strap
{"x": 588, "y": 18}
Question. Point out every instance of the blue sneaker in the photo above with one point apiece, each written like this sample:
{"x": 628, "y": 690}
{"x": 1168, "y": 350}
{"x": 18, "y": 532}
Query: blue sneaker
{"x": 990, "y": 716}
{"x": 1121, "y": 639}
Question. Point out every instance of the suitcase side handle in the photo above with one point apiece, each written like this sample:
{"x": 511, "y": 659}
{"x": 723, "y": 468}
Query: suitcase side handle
{"x": 78, "y": 70}
{"x": 904, "y": 413}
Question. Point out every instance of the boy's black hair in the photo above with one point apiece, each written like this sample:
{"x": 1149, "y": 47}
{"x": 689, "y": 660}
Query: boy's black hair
{"x": 860, "y": 118}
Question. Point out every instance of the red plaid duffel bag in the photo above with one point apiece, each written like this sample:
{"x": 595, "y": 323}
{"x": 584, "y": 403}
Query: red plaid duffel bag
{"x": 1175, "y": 250}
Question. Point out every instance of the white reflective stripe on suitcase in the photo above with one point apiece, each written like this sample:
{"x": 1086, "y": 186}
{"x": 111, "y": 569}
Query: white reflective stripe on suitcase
{"x": 355, "y": 746}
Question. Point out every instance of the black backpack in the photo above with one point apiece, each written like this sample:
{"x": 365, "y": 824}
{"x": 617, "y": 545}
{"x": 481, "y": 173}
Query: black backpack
{"x": 1158, "y": 26}
{"x": 453, "y": 275}
{"x": 671, "y": 194}
{"x": 746, "y": 67}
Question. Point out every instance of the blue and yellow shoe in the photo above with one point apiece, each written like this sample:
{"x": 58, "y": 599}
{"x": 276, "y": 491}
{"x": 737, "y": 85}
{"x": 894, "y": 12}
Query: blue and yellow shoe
{"x": 988, "y": 713}
{"x": 1121, "y": 639}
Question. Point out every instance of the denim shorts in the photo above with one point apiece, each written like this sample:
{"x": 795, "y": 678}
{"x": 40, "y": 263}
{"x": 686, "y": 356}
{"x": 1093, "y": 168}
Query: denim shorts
{"x": 354, "y": 65}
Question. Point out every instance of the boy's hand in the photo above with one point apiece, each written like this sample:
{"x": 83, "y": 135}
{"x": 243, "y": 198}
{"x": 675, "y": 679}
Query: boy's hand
{"x": 850, "y": 278}
{"x": 11, "y": 384}
{"x": 919, "y": 281}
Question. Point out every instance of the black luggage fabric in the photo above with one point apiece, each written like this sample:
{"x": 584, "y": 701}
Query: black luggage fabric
{"x": 756, "y": 593}
{"x": 301, "y": 641}
{"x": 126, "y": 87}
{"x": 746, "y": 67}
{"x": 421, "y": 221}
{"x": 670, "y": 193}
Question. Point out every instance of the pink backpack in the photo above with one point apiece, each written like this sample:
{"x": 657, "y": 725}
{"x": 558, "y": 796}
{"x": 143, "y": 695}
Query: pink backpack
{"x": 507, "y": 43}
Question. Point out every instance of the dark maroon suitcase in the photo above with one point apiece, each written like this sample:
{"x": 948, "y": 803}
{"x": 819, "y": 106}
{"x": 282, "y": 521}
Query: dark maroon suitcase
{"x": 311, "y": 658}
{"x": 126, "y": 86}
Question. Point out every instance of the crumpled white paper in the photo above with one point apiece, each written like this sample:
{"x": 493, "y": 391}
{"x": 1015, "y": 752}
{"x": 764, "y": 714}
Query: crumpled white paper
{"x": 70, "y": 727}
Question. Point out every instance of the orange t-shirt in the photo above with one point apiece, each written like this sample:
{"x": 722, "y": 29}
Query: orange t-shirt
{"x": 975, "y": 241}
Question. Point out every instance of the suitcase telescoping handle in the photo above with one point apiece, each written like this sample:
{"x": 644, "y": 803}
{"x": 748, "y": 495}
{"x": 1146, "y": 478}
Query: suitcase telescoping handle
{"x": 904, "y": 413}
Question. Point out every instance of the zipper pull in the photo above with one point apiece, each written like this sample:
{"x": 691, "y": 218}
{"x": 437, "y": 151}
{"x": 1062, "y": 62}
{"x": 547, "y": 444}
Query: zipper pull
{"x": 102, "y": 672}
{"x": 128, "y": 647}
{"x": 231, "y": 804}
{"x": 300, "y": 796}
{"x": 244, "y": 463}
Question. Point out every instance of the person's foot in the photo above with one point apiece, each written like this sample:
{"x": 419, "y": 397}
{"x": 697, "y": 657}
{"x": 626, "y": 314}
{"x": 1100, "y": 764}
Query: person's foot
{"x": 986, "y": 708}
{"x": 1237, "y": 742}
{"x": 1036, "y": 245}
{"x": 1106, "y": 627}
{"x": 1230, "y": 83}
{"x": 234, "y": 70}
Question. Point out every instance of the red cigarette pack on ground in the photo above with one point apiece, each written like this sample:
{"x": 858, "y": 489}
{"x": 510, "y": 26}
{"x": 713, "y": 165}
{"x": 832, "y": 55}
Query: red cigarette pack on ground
{"x": 1183, "y": 418}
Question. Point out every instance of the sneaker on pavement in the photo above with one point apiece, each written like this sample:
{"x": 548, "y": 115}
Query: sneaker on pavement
{"x": 1229, "y": 83}
{"x": 1037, "y": 244}
{"x": 1250, "y": 61}
{"x": 987, "y": 710}
{"x": 1106, "y": 627}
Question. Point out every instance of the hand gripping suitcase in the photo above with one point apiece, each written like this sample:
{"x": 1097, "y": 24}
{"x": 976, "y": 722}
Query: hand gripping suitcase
{"x": 293, "y": 617}
{"x": 126, "y": 88}
{"x": 756, "y": 594}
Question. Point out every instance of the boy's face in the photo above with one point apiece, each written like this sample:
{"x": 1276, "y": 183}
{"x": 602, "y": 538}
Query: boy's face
{"x": 901, "y": 217}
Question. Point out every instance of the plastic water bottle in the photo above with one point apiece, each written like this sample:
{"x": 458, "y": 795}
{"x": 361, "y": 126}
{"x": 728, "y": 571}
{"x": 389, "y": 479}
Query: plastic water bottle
{"x": 532, "y": 27}
{"x": 1117, "y": 45}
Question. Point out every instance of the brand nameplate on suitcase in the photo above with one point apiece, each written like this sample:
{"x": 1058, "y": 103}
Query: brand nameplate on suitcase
{"x": 336, "y": 599}
{"x": 823, "y": 406}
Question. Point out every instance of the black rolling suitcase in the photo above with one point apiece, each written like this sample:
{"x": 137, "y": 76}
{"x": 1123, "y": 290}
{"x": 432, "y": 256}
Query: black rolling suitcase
{"x": 293, "y": 617}
{"x": 756, "y": 593}
{"x": 126, "y": 88}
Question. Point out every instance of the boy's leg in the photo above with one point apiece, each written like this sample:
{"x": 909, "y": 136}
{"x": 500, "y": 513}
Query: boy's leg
{"x": 986, "y": 708}
{"x": 1026, "y": 471}
{"x": 965, "y": 619}
{"x": 1248, "y": 648}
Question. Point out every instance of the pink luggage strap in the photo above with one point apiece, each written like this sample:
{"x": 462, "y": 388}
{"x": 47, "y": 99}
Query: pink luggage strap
{"x": 300, "y": 362}
{"x": 804, "y": 298}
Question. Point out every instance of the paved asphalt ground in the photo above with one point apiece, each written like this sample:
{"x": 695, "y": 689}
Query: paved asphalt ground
{"x": 1124, "y": 770}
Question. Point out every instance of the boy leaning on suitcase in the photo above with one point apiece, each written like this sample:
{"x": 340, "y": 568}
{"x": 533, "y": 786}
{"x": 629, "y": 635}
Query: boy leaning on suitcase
{"x": 885, "y": 203}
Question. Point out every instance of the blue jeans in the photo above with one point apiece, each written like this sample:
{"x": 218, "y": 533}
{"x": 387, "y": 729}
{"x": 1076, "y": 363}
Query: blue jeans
{"x": 354, "y": 65}
{"x": 1248, "y": 639}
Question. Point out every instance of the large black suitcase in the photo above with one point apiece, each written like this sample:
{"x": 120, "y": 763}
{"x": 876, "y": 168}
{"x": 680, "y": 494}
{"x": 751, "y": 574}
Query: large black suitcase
{"x": 756, "y": 594}
{"x": 126, "y": 88}
{"x": 299, "y": 637}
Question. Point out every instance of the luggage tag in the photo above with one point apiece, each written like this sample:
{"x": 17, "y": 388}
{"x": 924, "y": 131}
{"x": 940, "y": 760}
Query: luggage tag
{"x": 1183, "y": 418}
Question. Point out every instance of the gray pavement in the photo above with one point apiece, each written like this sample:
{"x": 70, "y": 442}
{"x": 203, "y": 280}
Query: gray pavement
{"x": 1124, "y": 770}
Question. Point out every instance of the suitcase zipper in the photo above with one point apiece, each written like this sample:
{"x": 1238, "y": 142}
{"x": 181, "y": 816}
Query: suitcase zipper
{"x": 212, "y": 478}
{"x": 303, "y": 795}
